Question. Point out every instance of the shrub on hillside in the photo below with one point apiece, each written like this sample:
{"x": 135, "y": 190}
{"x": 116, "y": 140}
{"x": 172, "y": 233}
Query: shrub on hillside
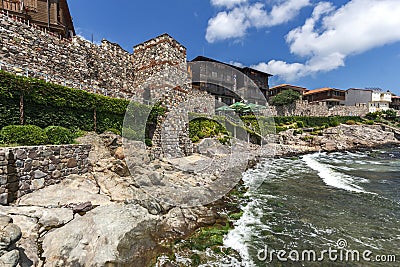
{"x": 300, "y": 124}
{"x": 350, "y": 122}
{"x": 204, "y": 128}
{"x": 390, "y": 113}
{"x": 296, "y": 132}
{"x": 58, "y": 135}
{"x": 25, "y": 135}
{"x": 286, "y": 97}
{"x": 334, "y": 122}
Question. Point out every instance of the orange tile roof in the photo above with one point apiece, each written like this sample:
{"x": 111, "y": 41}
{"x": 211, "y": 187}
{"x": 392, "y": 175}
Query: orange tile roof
{"x": 321, "y": 90}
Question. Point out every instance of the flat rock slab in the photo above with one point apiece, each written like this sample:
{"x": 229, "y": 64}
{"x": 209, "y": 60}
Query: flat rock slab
{"x": 73, "y": 190}
{"x": 118, "y": 234}
{"x": 193, "y": 163}
{"x": 55, "y": 196}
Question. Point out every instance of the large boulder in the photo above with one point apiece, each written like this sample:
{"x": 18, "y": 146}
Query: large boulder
{"x": 113, "y": 235}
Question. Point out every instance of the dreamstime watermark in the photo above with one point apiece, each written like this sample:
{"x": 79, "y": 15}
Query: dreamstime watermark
{"x": 340, "y": 253}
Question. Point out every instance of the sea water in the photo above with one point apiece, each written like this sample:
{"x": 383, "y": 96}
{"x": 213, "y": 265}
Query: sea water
{"x": 343, "y": 203}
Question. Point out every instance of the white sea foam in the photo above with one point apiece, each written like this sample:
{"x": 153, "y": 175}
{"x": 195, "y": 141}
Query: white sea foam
{"x": 240, "y": 237}
{"x": 332, "y": 177}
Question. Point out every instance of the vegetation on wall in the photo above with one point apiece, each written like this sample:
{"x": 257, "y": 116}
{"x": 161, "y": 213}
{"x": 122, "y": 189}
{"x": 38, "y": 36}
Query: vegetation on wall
{"x": 200, "y": 128}
{"x": 35, "y": 102}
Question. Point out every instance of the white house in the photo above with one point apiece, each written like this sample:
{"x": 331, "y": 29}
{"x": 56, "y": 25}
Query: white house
{"x": 375, "y": 99}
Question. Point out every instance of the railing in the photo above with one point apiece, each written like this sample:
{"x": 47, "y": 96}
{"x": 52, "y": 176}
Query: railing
{"x": 12, "y": 5}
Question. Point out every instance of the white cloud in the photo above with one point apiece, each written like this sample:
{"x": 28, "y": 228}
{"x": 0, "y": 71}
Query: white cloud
{"x": 235, "y": 22}
{"x": 237, "y": 64}
{"x": 227, "y": 3}
{"x": 289, "y": 71}
{"x": 227, "y": 25}
{"x": 330, "y": 35}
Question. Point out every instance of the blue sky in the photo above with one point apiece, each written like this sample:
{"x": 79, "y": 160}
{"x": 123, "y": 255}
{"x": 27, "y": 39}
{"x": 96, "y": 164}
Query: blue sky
{"x": 338, "y": 43}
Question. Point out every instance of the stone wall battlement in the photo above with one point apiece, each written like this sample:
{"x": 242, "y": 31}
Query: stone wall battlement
{"x": 105, "y": 66}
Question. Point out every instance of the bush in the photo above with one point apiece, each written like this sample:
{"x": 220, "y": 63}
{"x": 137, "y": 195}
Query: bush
{"x": 148, "y": 142}
{"x": 296, "y": 132}
{"x": 300, "y": 124}
{"x": 58, "y": 135}
{"x": 334, "y": 122}
{"x": 390, "y": 114}
{"x": 195, "y": 139}
{"x": 24, "y": 135}
{"x": 307, "y": 138}
{"x": 224, "y": 140}
{"x": 280, "y": 129}
{"x": 204, "y": 128}
{"x": 286, "y": 97}
{"x": 350, "y": 122}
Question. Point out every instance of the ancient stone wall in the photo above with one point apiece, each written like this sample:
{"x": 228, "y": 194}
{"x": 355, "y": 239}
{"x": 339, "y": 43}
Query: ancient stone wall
{"x": 77, "y": 63}
{"x": 303, "y": 108}
{"x": 26, "y": 169}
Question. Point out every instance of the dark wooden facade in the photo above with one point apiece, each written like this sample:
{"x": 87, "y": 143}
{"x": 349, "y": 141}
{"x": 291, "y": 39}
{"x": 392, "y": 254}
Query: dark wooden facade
{"x": 331, "y": 96}
{"x": 53, "y": 15}
{"x": 229, "y": 83}
{"x": 395, "y": 104}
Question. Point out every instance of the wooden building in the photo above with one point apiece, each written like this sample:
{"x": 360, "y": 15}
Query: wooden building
{"x": 229, "y": 83}
{"x": 53, "y": 15}
{"x": 331, "y": 96}
{"x": 395, "y": 104}
{"x": 273, "y": 91}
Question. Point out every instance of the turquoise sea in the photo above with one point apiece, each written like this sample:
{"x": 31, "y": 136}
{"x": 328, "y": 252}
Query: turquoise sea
{"x": 342, "y": 206}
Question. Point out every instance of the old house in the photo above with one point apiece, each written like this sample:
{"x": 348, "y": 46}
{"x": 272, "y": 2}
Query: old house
{"x": 52, "y": 15}
{"x": 395, "y": 102}
{"x": 223, "y": 81}
{"x": 330, "y": 96}
{"x": 273, "y": 91}
{"x": 375, "y": 99}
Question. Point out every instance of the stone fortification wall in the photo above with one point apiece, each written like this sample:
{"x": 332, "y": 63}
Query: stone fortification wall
{"x": 77, "y": 63}
{"x": 26, "y": 169}
{"x": 303, "y": 108}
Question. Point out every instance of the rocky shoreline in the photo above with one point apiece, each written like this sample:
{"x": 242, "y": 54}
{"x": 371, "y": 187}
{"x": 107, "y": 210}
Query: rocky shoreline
{"x": 104, "y": 218}
{"x": 340, "y": 138}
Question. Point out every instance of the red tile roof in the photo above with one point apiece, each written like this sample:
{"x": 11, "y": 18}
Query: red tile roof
{"x": 322, "y": 90}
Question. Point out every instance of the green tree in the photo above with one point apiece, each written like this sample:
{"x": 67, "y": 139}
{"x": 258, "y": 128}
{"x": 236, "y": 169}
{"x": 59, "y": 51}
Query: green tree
{"x": 286, "y": 97}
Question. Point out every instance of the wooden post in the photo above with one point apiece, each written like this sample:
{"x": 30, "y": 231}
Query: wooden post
{"x": 21, "y": 109}
{"x": 48, "y": 14}
{"x": 95, "y": 120}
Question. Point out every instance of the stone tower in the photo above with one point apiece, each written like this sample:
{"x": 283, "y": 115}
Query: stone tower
{"x": 161, "y": 75}
{"x": 160, "y": 66}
